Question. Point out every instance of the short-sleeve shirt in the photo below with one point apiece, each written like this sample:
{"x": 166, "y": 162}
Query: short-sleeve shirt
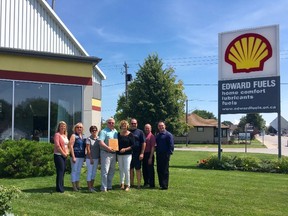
{"x": 106, "y": 134}
{"x": 150, "y": 142}
{"x": 125, "y": 142}
{"x": 139, "y": 139}
{"x": 94, "y": 147}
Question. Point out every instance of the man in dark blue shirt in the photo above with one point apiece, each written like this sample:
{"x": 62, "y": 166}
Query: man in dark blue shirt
{"x": 164, "y": 148}
{"x": 137, "y": 152}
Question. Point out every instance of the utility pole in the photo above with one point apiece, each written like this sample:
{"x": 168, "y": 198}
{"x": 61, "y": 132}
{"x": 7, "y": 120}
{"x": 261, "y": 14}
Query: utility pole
{"x": 126, "y": 80}
{"x": 53, "y": 5}
{"x": 187, "y": 132}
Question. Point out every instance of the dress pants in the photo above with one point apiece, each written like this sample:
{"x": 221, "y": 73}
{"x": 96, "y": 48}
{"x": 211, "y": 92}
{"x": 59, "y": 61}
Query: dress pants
{"x": 148, "y": 170}
{"x": 60, "y": 164}
{"x": 163, "y": 169}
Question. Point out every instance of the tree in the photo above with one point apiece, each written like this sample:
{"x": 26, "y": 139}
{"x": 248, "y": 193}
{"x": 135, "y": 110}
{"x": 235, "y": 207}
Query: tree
{"x": 254, "y": 119}
{"x": 204, "y": 114}
{"x": 154, "y": 95}
{"x": 227, "y": 123}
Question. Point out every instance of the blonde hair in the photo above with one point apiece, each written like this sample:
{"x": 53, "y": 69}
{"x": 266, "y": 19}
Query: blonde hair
{"x": 124, "y": 123}
{"x": 79, "y": 124}
{"x": 58, "y": 127}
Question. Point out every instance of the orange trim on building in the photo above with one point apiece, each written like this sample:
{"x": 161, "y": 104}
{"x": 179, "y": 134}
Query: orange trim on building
{"x": 45, "y": 77}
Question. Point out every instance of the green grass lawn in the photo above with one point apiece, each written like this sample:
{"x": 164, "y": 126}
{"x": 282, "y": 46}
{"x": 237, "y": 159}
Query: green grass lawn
{"x": 192, "y": 191}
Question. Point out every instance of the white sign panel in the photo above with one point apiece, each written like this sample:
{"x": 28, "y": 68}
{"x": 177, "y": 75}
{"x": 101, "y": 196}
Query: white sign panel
{"x": 249, "y": 53}
{"x": 249, "y": 76}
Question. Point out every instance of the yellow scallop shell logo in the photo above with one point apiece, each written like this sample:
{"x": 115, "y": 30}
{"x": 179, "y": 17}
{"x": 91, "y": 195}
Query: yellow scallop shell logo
{"x": 248, "y": 53}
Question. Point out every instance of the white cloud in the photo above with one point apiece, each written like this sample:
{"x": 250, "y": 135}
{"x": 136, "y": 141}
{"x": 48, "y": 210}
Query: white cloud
{"x": 117, "y": 38}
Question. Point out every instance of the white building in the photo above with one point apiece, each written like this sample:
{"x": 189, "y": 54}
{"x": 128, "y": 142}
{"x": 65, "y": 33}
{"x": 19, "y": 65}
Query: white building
{"x": 284, "y": 125}
{"x": 45, "y": 74}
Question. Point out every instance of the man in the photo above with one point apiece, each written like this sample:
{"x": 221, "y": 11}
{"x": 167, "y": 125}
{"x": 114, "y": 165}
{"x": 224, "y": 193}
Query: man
{"x": 107, "y": 155}
{"x": 164, "y": 149}
{"x": 138, "y": 152}
{"x": 148, "y": 160}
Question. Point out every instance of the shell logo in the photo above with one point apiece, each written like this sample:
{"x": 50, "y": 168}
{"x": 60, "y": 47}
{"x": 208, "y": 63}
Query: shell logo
{"x": 248, "y": 53}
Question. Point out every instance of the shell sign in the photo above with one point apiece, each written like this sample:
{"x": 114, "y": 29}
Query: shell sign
{"x": 249, "y": 77}
{"x": 249, "y": 53}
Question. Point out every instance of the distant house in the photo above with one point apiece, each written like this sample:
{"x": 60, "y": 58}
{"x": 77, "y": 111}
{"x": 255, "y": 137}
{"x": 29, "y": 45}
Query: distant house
{"x": 232, "y": 128}
{"x": 284, "y": 125}
{"x": 203, "y": 131}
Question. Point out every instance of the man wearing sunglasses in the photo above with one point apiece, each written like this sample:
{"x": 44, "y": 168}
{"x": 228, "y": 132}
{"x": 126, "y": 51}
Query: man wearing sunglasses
{"x": 107, "y": 155}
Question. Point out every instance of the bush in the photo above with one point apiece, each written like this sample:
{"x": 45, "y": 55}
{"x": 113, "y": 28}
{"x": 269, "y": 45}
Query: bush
{"x": 245, "y": 163}
{"x": 6, "y": 195}
{"x": 23, "y": 158}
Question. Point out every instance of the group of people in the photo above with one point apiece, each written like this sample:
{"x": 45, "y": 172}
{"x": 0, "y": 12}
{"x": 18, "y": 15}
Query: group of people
{"x": 80, "y": 149}
{"x": 135, "y": 151}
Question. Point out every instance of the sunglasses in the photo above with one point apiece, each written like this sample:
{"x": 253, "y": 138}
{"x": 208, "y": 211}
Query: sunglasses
{"x": 94, "y": 130}
{"x": 78, "y": 127}
{"x": 110, "y": 122}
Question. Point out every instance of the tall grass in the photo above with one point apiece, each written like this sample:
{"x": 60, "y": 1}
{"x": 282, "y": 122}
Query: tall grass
{"x": 191, "y": 191}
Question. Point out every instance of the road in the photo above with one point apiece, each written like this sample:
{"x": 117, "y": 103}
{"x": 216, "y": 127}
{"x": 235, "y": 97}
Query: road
{"x": 271, "y": 143}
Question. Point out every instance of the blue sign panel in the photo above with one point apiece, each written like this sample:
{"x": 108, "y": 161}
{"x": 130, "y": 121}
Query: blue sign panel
{"x": 254, "y": 95}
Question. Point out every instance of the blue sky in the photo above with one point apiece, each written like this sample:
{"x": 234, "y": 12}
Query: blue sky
{"x": 184, "y": 34}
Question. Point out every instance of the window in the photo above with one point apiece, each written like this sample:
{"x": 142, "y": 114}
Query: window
{"x": 6, "y": 89}
{"x": 200, "y": 129}
{"x": 96, "y": 85}
{"x": 31, "y": 111}
{"x": 223, "y": 132}
{"x": 66, "y": 105}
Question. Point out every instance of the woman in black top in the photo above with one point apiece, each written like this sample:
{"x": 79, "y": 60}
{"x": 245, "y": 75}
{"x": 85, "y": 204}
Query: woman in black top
{"x": 126, "y": 142}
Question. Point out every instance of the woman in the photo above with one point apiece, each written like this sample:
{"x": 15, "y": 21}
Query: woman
{"x": 77, "y": 149}
{"x": 60, "y": 154}
{"x": 126, "y": 142}
{"x": 92, "y": 157}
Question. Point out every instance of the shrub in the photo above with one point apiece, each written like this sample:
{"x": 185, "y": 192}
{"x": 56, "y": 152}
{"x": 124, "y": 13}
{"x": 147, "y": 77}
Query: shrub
{"x": 245, "y": 163}
{"x": 23, "y": 158}
{"x": 6, "y": 195}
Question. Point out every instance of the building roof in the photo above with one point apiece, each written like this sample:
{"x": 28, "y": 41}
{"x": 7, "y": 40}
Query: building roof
{"x": 284, "y": 123}
{"x": 197, "y": 121}
{"x": 88, "y": 59}
{"x": 33, "y": 25}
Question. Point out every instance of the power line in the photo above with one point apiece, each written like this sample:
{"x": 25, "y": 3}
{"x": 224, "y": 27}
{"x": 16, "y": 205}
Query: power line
{"x": 113, "y": 84}
{"x": 187, "y": 84}
{"x": 180, "y": 61}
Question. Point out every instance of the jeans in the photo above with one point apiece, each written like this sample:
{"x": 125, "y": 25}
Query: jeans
{"x": 76, "y": 169}
{"x": 91, "y": 169}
